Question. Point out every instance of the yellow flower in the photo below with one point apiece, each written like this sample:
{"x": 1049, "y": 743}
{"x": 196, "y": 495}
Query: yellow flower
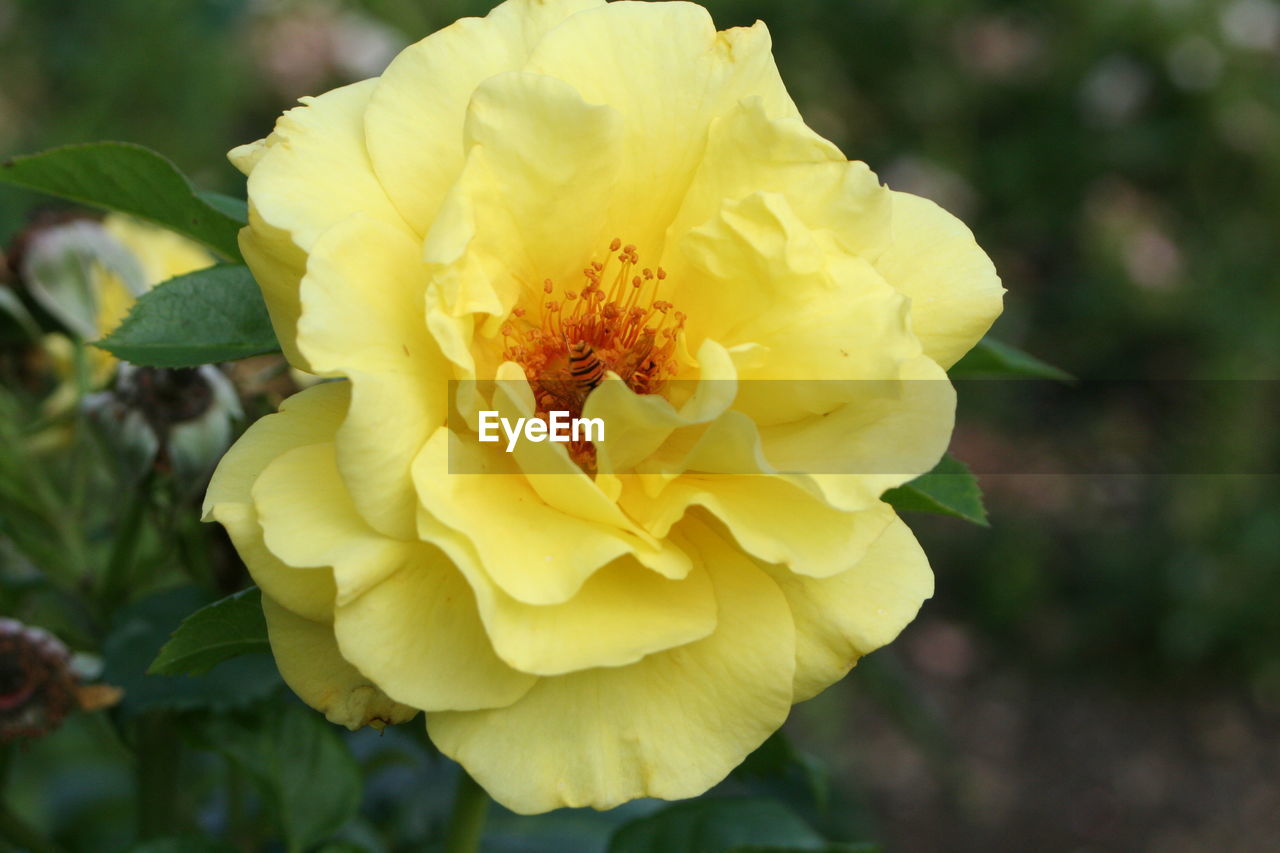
{"x": 561, "y": 193}
{"x": 88, "y": 274}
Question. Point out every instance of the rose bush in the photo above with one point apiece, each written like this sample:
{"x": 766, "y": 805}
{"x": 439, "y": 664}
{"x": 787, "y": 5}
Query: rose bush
{"x": 615, "y": 210}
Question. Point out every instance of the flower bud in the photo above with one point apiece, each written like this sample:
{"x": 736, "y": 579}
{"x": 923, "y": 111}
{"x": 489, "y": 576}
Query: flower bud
{"x": 38, "y": 684}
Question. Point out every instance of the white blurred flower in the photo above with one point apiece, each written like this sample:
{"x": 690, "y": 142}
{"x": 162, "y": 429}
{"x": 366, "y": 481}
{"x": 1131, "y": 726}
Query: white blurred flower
{"x": 1194, "y": 63}
{"x": 1115, "y": 90}
{"x": 1252, "y": 24}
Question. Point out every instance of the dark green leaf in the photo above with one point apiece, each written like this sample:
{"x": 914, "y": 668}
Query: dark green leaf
{"x": 993, "y": 359}
{"x": 141, "y": 629}
{"x": 184, "y": 844}
{"x": 303, "y": 768}
{"x": 949, "y": 489}
{"x": 130, "y": 179}
{"x": 231, "y": 206}
{"x": 225, "y": 629}
{"x": 777, "y": 762}
{"x": 210, "y": 315}
{"x": 236, "y": 208}
{"x": 718, "y": 825}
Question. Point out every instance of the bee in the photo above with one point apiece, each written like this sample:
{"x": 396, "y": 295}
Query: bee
{"x": 586, "y": 370}
{"x": 644, "y": 379}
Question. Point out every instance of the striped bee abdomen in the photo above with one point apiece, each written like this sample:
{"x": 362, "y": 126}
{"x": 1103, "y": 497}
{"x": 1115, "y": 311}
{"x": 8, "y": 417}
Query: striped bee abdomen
{"x": 586, "y": 370}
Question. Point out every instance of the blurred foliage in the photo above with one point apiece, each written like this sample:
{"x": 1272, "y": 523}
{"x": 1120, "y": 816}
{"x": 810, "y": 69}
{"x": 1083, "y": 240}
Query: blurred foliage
{"x": 1120, "y": 162}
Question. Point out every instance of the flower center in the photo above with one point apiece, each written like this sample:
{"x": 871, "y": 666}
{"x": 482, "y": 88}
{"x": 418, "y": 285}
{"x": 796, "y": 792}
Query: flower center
{"x": 615, "y": 322}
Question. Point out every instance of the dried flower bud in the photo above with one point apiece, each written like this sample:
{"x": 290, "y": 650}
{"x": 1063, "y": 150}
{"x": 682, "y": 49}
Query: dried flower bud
{"x": 38, "y": 686}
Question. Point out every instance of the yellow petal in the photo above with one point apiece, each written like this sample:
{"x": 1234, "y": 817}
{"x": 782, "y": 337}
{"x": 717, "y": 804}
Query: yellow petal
{"x": 278, "y": 266}
{"x": 669, "y": 726}
{"x": 529, "y": 139}
{"x": 955, "y": 292}
{"x": 562, "y": 485}
{"x": 530, "y": 562}
{"x": 313, "y": 173}
{"x": 413, "y": 120}
{"x": 161, "y": 253}
{"x": 308, "y": 417}
{"x": 888, "y": 433}
{"x": 639, "y": 424}
{"x": 363, "y": 317}
{"x": 308, "y": 521}
{"x": 405, "y": 617}
{"x": 418, "y": 635}
{"x": 308, "y": 658}
{"x": 820, "y": 313}
{"x": 621, "y": 613}
{"x": 749, "y": 151}
{"x": 845, "y": 616}
{"x": 669, "y": 92}
{"x": 771, "y": 518}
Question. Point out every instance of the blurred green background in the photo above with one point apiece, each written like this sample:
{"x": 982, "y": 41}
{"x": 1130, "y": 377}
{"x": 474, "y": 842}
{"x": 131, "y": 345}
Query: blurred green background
{"x": 1100, "y": 670}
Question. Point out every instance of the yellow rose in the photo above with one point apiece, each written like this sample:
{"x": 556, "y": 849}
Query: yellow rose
{"x": 88, "y": 274}
{"x": 618, "y": 211}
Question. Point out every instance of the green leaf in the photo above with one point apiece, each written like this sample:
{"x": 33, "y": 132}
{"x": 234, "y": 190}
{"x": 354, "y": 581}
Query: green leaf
{"x": 303, "y": 768}
{"x": 236, "y": 208}
{"x": 225, "y": 629}
{"x": 130, "y": 179}
{"x": 992, "y": 359}
{"x": 215, "y": 314}
{"x": 719, "y": 825}
{"x": 949, "y": 489}
{"x": 778, "y": 762}
{"x": 184, "y": 844}
{"x": 138, "y": 632}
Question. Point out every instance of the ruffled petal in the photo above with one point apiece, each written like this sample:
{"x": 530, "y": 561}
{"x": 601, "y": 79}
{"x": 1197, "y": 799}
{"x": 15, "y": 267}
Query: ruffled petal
{"x": 771, "y": 518}
{"x": 845, "y": 616}
{"x": 669, "y": 726}
{"x": 414, "y": 119}
{"x": 405, "y": 617}
{"x": 363, "y": 317}
{"x": 419, "y": 636}
{"x": 669, "y": 92}
{"x": 308, "y": 658}
{"x": 530, "y": 560}
{"x": 955, "y": 292}
{"x": 622, "y": 613}
{"x": 749, "y": 151}
{"x": 535, "y": 200}
{"x": 761, "y": 276}
{"x": 308, "y": 521}
{"x": 308, "y": 417}
{"x": 889, "y": 432}
{"x": 310, "y": 173}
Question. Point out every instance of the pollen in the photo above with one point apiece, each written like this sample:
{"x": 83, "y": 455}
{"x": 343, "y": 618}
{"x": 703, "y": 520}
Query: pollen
{"x": 613, "y": 321}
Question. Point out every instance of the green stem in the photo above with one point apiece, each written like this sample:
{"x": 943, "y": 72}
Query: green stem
{"x": 157, "y": 776}
{"x": 13, "y": 829}
{"x": 118, "y": 579}
{"x": 466, "y": 824}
